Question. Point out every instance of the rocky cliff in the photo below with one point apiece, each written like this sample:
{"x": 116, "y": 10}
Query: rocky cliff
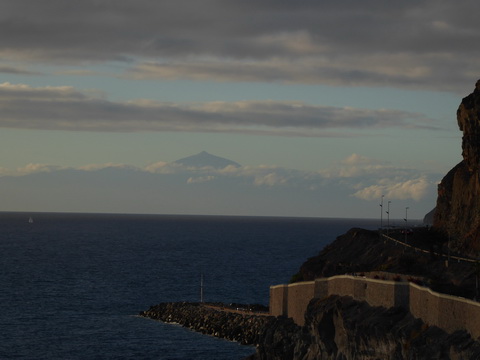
{"x": 361, "y": 250}
{"x": 458, "y": 204}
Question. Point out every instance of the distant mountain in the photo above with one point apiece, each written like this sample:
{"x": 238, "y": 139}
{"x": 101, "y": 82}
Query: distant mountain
{"x": 205, "y": 159}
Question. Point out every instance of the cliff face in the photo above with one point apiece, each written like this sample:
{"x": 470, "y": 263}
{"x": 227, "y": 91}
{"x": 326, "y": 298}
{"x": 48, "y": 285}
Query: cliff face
{"x": 458, "y": 204}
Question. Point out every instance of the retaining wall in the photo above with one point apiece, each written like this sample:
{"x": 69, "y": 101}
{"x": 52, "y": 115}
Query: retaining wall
{"x": 447, "y": 312}
{"x": 278, "y": 300}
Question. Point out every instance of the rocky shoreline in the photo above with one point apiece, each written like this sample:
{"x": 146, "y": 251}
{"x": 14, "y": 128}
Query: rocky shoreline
{"x": 236, "y": 323}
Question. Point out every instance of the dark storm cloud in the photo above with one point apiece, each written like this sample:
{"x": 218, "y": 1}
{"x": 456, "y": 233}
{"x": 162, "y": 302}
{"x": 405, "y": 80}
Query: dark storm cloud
{"x": 64, "y": 108}
{"x": 425, "y": 44}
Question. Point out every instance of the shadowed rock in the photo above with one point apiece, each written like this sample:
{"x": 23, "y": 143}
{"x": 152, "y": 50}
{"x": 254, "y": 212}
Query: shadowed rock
{"x": 458, "y": 204}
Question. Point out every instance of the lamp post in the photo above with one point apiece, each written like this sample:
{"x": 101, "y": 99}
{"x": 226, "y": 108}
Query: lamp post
{"x": 406, "y": 223}
{"x": 388, "y": 216}
{"x": 381, "y": 213}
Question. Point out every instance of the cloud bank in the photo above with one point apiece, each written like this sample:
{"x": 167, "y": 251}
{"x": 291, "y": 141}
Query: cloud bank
{"x": 422, "y": 44}
{"x": 172, "y": 188}
{"x": 65, "y": 108}
{"x": 365, "y": 184}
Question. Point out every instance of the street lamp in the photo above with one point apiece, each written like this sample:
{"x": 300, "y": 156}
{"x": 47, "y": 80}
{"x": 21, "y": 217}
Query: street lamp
{"x": 388, "y": 215}
{"x": 381, "y": 213}
{"x": 406, "y": 222}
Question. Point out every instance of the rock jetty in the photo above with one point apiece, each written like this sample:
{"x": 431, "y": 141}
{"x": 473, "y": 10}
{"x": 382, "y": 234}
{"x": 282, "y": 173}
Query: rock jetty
{"x": 240, "y": 323}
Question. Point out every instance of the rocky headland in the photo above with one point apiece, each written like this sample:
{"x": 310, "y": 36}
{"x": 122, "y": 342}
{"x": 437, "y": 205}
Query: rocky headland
{"x": 341, "y": 328}
{"x": 457, "y": 211}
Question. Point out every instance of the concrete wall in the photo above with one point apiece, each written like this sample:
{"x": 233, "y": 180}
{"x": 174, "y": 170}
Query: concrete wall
{"x": 472, "y": 315}
{"x": 279, "y": 300}
{"x": 424, "y": 304}
{"x": 298, "y": 298}
{"x": 380, "y": 293}
{"x": 447, "y": 312}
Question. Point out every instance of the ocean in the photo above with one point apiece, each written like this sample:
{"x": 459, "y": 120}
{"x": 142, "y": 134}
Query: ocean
{"x": 73, "y": 284}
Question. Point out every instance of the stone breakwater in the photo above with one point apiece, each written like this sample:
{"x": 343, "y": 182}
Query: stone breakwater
{"x": 236, "y": 323}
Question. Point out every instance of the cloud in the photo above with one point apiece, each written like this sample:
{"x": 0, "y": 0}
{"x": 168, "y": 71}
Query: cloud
{"x": 361, "y": 177}
{"x": 356, "y": 159}
{"x": 16, "y": 70}
{"x": 65, "y": 108}
{"x": 397, "y": 70}
{"x": 415, "y": 189}
{"x": 411, "y": 44}
{"x": 270, "y": 179}
{"x": 200, "y": 179}
{"x": 78, "y": 72}
{"x": 273, "y": 176}
{"x": 32, "y": 169}
{"x": 369, "y": 179}
{"x": 262, "y": 175}
{"x": 158, "y": 167}
{"x": 94, "y": 167}
{"x": 299, "y": 192}
{"x": 358, "y": 166}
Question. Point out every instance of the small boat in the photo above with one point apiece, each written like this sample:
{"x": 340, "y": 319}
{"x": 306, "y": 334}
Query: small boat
{"x": 30, "y": 220}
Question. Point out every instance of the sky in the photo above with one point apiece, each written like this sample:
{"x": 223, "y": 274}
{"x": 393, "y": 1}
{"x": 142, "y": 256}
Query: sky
{"x": 361, "y": 94}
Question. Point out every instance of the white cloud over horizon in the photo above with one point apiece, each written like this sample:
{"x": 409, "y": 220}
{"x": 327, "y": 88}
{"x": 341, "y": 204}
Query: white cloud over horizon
{"x": 30, "y": 169}
{"x": 397, "y": 185}
{"x": 415, "y": 189}
{"x": 244, "y": 190}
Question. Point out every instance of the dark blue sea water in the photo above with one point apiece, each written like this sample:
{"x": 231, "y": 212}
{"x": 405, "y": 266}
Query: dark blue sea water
{"x": 72, "y": 284}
